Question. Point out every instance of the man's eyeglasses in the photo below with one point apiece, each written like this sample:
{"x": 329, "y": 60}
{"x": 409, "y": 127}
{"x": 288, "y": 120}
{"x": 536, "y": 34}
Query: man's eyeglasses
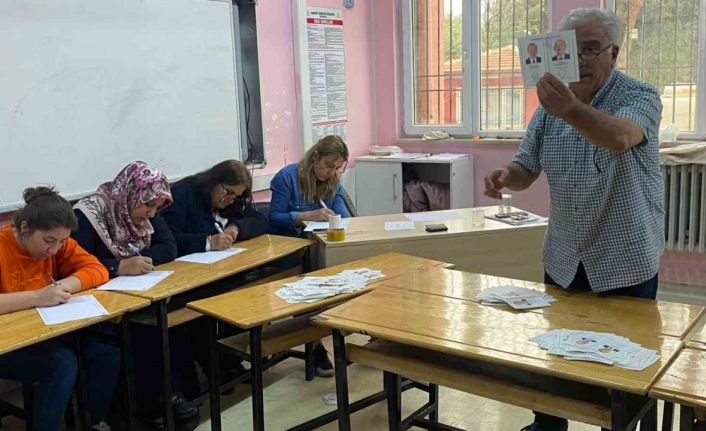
{"x": 590, "y": 53}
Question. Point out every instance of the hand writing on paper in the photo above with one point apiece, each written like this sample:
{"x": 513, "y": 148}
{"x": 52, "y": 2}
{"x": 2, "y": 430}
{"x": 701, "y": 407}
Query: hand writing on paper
{"x": 221, "y": 241}
{"x": 54, "y": 294}
{"x": 136, "y": 265}
{"x": 233, "y": 231}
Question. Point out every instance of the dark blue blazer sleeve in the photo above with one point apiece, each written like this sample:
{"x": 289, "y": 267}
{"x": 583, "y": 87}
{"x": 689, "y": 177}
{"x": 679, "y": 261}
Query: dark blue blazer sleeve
{"x": 176, "y": 216}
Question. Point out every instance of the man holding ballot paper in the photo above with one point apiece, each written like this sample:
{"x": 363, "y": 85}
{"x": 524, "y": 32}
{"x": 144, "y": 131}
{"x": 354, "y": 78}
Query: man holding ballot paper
{"x": 596, "y": 141}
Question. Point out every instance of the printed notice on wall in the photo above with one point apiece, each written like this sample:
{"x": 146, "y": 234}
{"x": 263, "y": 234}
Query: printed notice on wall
{"x": 327, "y": 78}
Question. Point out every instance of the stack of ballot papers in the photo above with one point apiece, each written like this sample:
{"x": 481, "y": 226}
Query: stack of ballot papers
{"x": 310, "y": 289}
{"x": 596, "y": 347}
{"x": 519, "y": 298}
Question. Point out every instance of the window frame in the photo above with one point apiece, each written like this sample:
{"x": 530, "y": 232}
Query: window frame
{"x": 471, "y": 93}
{"x": 700, "y": 130}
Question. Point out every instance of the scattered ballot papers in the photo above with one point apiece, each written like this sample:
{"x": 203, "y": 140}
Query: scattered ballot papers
{"x": 310, "y": 289}
{"x": 519, "y": 298}
{"x": 599, "y": 347}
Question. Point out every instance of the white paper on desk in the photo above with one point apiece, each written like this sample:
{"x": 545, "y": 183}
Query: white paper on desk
{"x": 319, "y": 225}
{"x": 77, "y": 308}
{"x": 399, "y": 225}
{"x": 136, "y": 282}
{"x": 433, "y": 216}
{"x": 209, "y": 257}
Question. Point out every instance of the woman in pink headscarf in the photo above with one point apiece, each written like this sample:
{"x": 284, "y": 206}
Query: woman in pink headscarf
{"x": 120, "y": 224}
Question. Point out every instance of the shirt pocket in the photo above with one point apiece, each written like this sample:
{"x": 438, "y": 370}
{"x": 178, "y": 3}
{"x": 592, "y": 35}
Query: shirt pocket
{"x": 559, "y": 152}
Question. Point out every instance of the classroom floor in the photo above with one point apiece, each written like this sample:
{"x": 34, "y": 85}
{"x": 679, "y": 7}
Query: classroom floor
{"x": 289, "y": 400}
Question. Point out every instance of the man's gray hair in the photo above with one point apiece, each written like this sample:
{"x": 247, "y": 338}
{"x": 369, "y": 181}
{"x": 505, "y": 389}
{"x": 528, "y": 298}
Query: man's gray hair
{"x": 612, "y": 25}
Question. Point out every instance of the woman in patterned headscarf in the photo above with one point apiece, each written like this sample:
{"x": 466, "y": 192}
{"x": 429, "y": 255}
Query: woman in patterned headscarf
{"x": 119, "y": 223}
{"x": 121, "y": 226}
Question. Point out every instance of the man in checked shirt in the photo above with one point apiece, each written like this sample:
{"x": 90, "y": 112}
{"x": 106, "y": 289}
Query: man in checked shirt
{"x": 596, "y": 141}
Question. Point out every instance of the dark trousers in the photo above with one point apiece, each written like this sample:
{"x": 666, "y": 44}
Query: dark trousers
{"x": 647, "y": 290}
{"x": 53, "y": 366}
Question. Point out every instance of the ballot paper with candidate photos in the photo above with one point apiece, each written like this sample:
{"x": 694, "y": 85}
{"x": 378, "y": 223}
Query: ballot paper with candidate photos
{"x": 519, "y": 298}
{"x": 554, "y": 53}
{"x": 605, "y": 348}
{"x": 310, "y": 289}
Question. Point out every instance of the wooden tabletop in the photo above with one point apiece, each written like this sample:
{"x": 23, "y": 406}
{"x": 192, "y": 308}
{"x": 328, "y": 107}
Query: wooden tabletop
{"x": 188, "y": 275}
{"x": 448, "y": 319}
{"x": 24, "y": 328}
{"x": 371, "y": 229}
{"x": 660, "y": 317}
{"x": 258, "y": 305}
{"x": 698, "y": 337}
{"x": 683, "y": 382}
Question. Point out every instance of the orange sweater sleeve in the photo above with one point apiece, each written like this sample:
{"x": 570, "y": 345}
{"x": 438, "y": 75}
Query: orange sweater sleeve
{"x": 74, "y": 260}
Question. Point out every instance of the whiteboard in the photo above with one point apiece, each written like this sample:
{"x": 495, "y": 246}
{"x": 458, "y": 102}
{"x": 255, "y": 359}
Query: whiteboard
{"x": 87, "y": 86}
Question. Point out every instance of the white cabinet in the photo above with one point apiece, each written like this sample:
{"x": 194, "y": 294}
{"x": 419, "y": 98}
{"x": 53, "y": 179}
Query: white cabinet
{"x": 379, "y": 181}
{"x": 378, "y": 187}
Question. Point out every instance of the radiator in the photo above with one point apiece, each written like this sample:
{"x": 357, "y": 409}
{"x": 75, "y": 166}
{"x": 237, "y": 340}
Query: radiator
{"x": 685, "y": 206}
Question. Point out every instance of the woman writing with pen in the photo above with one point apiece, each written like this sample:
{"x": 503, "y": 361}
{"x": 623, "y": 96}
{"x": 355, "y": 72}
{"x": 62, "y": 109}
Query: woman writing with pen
{"x": 213, "y": 209}
{"x": 41, "y": 266}
{"x": 121, "y": 226}
{"x": 309, "y": 190}
{"x": 119, "y": 223}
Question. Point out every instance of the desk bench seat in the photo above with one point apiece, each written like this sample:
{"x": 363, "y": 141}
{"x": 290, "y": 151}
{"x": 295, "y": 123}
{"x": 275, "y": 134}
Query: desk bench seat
{"x": 570, "y": 400}
{"x": 279, "y": 336}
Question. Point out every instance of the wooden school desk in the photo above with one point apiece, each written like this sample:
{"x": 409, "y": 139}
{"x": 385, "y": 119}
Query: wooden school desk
{"x": 698, "y": 339}
{"x": 496, "y": 249}
{"x": 252, "y": 309}
{"x": 683, "y": 382}
{"x": 25, "y": 328}
{"x": 188, "y": 276}
{"x": 431, "y": 328}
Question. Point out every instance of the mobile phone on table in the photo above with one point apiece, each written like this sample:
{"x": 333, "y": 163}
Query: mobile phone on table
{"x": 512, "y": 214}
{"x": 436, "y": 227}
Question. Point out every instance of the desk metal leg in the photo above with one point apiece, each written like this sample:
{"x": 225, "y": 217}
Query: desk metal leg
{"x": 619, "y": 419}
{"x": 434, "y": 401}
{"x": 668, "y": 416}
{"x": 393, "y": 388}
{"x": 649, "y": 421}
{"x": 309, "y": 362}
{"x": 128, "y": 372}
{"x": 163, "y": 325}
{"x": 340, "y": 364}
{"x": 686, "y": 418}
{"x": 84, "y": 414}
{"x": 214, "y": 375}
{"x": 28, "y": 398}
{"x": 258, "y": 407}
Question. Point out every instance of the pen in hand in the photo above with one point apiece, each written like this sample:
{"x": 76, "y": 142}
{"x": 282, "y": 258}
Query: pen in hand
{"x": 218, "y": 227}
{"x": 323, "y": 205}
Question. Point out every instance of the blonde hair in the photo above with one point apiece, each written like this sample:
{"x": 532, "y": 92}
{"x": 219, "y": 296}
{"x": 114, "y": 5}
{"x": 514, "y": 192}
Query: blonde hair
{"x": 310, "y": 187}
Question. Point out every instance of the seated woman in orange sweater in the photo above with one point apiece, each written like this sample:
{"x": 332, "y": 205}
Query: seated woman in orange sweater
{"x": 40, "y": 265}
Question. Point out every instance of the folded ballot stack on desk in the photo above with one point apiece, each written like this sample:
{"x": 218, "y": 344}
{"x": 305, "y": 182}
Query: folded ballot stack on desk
{"x": 600, "y": 347}
{"x": 519, "y": 298}
{"x": 310, "y": 289}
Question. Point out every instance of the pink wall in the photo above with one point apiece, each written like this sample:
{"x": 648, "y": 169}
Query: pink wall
{"x": 279, "y": 80}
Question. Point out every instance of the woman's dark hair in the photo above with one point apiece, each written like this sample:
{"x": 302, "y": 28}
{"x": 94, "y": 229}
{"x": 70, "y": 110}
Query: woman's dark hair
{"x": 45, "y": 209}
{"x": 228, "y": 172}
